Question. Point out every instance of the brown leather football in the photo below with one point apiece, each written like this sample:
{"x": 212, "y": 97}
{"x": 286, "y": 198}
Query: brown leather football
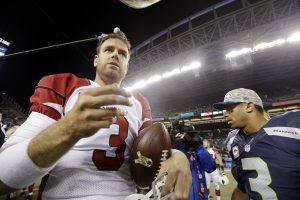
{"x": 150, "y": 148}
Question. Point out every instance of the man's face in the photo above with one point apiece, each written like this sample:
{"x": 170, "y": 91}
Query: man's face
{"x": 205, "y": 143}
{"x": 236, "y": 115}
{"x": 112, "y": 61}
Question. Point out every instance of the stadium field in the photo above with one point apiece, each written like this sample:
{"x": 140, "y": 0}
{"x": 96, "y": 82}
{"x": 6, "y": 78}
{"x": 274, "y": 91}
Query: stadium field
{"x": 226, "y": 190}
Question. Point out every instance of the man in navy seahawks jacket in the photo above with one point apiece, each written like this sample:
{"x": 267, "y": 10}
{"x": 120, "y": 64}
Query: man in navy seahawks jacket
{"x": 266, "y": 152}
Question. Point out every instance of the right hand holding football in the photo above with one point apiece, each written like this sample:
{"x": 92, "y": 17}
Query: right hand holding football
{"x": 90, "y": 114}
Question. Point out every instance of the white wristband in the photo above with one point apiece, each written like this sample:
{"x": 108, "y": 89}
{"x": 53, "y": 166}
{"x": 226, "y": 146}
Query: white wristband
{"x": 16, "y": 168}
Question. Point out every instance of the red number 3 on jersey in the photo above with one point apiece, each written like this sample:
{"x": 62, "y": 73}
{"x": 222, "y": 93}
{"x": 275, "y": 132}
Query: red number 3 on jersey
{"x": 101, "y": 161}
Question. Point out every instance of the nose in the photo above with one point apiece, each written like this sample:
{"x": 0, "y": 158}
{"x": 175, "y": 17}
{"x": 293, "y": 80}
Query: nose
{"x": 115, "y": 54}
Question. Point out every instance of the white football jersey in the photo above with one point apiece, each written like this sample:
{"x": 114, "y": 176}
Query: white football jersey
{"x": 96, "y": 167}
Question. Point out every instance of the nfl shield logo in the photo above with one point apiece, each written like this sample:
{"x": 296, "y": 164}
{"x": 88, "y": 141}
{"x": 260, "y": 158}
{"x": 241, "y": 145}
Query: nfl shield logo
{"x": 247, "y": 147}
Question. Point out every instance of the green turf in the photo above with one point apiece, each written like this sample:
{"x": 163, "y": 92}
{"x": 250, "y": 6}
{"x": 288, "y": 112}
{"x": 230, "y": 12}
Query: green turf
{"x": 226, "y": 190}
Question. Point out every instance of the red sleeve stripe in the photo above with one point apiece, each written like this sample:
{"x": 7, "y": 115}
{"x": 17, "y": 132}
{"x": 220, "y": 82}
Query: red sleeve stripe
{"x": 146, "y": 110}
{"x": 48, "y": 88}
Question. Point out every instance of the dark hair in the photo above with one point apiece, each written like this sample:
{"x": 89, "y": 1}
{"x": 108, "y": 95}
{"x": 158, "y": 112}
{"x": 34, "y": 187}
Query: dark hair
{"x": 116, "y": 34}
{"x": 259, "y": 109}
{"x": 192, "y": 140}
{"x": 182, "y": 127}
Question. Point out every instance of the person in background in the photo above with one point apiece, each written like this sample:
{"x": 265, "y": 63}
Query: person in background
{"x": 200, "y": 163}
{"x": 188, "y": 140}
{"x": 213, "y": 176}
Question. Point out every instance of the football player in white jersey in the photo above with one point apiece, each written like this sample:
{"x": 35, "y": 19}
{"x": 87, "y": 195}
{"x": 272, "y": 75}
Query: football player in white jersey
{"x": 79, "y": 135}
{"x": 214, "y": 176}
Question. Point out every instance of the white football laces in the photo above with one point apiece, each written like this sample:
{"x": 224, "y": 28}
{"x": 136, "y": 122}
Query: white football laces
{"x": 155, "y": 192}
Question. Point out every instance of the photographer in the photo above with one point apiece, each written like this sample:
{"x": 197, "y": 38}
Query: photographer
{"x": 189, "y": 141}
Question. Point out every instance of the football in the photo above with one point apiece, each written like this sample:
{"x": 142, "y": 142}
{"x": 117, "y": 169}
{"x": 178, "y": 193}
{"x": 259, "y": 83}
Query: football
{"x": 223, "y": 180}
{"x": 150, "y": 148}
{"x": 138, "y": 4}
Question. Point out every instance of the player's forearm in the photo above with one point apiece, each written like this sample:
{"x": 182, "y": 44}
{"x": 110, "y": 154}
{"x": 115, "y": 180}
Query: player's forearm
{"x": 37, "y": 156}
{"x": 16, "y": 169}
{"x": 238, "y": 195}
{"x": 50, "y": 145}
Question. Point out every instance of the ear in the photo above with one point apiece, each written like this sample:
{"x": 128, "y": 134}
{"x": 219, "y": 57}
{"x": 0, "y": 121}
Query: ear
{"x": 96, "y": 57}
{"x": 250, "y": 107}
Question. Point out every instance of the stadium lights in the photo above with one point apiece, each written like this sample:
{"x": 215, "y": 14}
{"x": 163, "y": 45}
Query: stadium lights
{"x": 4, "y": 42}
{"x": 139, "y": 84}
{"x": 153, "y": 79}
{"x": 262, "y": 46}
{"x": 267, "y": 45}
{"x": 157, "y": 78}
{"x": 243, "y": 51}
{"x": 171, "y": 73}
{"x": 3, "y": 47}
{"x": 294, "y": 37}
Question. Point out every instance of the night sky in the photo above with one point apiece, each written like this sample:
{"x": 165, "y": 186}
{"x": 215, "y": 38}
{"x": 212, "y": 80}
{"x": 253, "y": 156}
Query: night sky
{"x": 32, "y": 24}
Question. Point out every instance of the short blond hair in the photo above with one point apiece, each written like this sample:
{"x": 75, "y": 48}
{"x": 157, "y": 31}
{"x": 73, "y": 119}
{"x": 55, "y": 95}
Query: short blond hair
{"x": 118, "y": 34}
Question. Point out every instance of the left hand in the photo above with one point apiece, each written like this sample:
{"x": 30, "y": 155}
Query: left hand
{"x": 179, "y": 176}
